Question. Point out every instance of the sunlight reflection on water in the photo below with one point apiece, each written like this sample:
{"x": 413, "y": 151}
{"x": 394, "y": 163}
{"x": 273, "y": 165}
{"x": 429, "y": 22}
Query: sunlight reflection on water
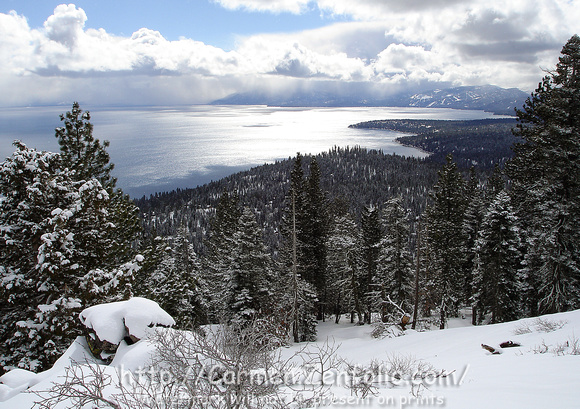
{"x": 161, "y": 148}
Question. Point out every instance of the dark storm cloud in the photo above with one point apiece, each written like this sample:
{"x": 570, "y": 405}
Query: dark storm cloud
{"x": 523, "y": 51}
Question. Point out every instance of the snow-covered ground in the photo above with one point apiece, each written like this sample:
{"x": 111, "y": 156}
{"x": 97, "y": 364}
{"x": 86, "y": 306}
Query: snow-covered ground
{"x": 541, "y": 373}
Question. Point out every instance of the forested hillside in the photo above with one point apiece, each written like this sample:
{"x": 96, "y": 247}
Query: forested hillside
{"x": 354, "y": 177}
{"x": 483, "y": 143}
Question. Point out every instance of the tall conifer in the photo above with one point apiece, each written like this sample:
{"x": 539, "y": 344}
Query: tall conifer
{"x": 545, "y": 175}
{"x": 444, "y": 218}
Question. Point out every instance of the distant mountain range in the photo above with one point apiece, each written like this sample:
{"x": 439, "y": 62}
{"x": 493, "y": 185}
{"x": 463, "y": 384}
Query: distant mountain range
{"x": 486, "y": 97}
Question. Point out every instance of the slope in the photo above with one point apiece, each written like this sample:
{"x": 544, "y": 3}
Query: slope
{"x": 458, "y": 373}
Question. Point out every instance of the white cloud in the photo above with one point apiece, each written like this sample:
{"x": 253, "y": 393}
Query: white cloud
{"x": 273, "y": 6}
{"x": 392, "y": 42}
{"x": 283, "y": 55}
{"x": 65, "y": 25}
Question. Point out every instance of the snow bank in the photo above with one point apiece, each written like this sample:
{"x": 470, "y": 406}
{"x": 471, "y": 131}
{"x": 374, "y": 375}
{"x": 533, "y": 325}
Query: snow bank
{"x": 541, "y": 373}
{"x": 19, "y": 380}
{"x": 112, "y": 321}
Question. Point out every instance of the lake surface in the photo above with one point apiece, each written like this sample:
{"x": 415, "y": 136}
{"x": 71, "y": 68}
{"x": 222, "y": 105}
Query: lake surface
{"x": 163, "y": 148}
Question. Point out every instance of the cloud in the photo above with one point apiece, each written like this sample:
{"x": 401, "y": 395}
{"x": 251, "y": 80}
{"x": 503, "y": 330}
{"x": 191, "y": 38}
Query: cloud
{"x": 409, "y": 62}
{"x": 389, "y": 44}
{"x": 360, "y": 9}
{"x": 283, "y": 55}
{"x": 65, "y": 25}
{"x": 363, "y": 40}
{"x": 377, "y": 10}
{"x": 273, "y": 6}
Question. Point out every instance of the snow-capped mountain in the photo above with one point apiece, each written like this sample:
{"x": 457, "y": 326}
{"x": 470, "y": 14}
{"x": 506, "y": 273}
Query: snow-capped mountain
{"x": 486, "y": 97}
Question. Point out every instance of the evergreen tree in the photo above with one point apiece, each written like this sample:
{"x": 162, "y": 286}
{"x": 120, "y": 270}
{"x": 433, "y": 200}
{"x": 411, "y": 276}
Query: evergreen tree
{"x": 496, "y": 278}
{"x": 344, "y": 292}
{"x": 495, "y": 184}
{"x": 154, "y": 249}
{"x": 300, "y": 302}
{"x": 370, "y": 248}
{"x": 474, "y": 214}
{"x": 249, "y": 289}
{"x": 57, "y": 255}
{"x": 295, "y": 224}
{"x": 395, "y": 278}
{"x": 305, "y": 316}
{"x": 314, "y": 237}
{"x": 176, "y": 284}
{"x": 81, "y": 153}
{"x": 444, "y": 219}
{"x": 219, "y": 262}
{"x": 545, "y": 179}
{"x": 66, "y": 244}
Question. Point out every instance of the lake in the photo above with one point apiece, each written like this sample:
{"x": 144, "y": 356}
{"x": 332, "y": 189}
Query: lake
{"x": 163, "y": 148}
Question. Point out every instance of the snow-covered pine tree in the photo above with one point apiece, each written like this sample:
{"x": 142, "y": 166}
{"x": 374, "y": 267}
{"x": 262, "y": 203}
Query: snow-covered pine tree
{"x": 299, "y": 303}
{"x": 66, "y": 242}
{"x": 176, "y": 284}
{"x": 496, "y": 278}
{"x": 189, "y": 288}
{"x": 81, "y": 153}
{"x": 344, "y": 293}
{"x": 370, "y": 248}
{"x": 444, "y": 239}
{"x": 57, "y": 255}
{"x": 545, "y": 175}
{"x": 218, "y": 263}
{"x": 474, "y": 213}
{"x": 154, "y": 249}
{"x": 311, "y": 224}
{"x": 25, "y": 218}
{"x": 249, "y": 286}
{"x": 395, "y": 277}
{"x": 305, "y": 316}
{"x": 315, "y": 231}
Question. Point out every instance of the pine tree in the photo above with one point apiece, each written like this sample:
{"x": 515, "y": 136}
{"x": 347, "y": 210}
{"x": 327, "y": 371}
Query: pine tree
{"x": 67, "y": 242}
{"x": 219, "y": 263}
{"x": 57, "y": 255}
{"x": 176, "y": 284}
{"x": 474, "y": 214}
{"x": 370, "y": 248}
{"x": 545, "y": 179}
{"x": 154, "y": 249}
{"x": 444, "y": 219}
{"x": 344, "y": 292}
{"x": 496, "y": 278}
{"x": 395, "y": 278}
{"x": 314, "y": 237}
{"x": 249, "y": 289}
{"x": 81, "y": 153}
{"x": 300, "y": 302}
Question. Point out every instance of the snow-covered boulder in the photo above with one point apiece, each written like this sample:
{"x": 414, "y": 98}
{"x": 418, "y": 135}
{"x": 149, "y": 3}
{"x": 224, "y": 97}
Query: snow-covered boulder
{"x": 108, "y": 324}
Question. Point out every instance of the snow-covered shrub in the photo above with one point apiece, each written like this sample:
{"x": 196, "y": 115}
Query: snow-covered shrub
{"x": 85, "y": 385}
{"x": 538, "y": 325}
{"x": 384, "y": 330}
{"x": 397, "y": 370}
{"x": 212, "y": 367}
{"x": 569, "y": 347}
{"x": 522, "y": 328}
{"x": 546, "y": 325}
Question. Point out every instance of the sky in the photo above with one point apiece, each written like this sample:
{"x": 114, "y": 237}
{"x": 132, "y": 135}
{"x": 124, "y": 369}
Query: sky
{"x": 154, "y": 52}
